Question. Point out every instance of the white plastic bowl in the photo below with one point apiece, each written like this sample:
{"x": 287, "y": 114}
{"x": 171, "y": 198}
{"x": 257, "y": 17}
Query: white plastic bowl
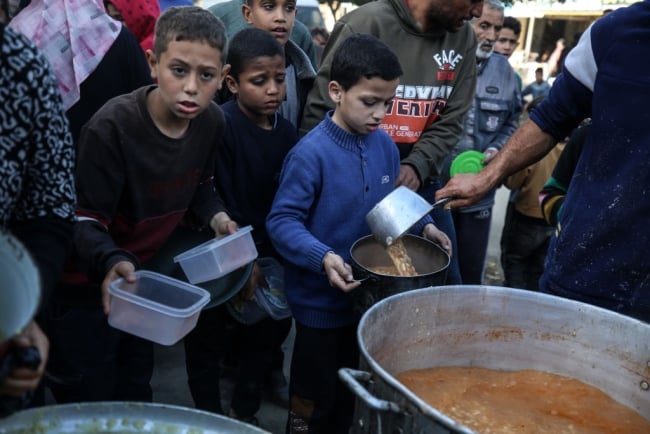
{"x": 215, "y": 258}
{"x": 156, "y": 307}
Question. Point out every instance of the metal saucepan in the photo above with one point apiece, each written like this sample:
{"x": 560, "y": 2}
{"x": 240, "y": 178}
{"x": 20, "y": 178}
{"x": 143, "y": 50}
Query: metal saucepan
{"x": 398, "y": 212}
{"x": 429, "y": 260}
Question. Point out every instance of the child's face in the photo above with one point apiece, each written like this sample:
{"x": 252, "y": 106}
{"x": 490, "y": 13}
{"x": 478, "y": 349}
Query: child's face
{"x": 261, "y": 88}
{"x": 360, "y": 109}
{"x": 275, "y": 16}
{"x": 189, "y": 73}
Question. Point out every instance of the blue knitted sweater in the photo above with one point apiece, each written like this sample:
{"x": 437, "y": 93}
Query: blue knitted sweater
{"x": 329, "y": 182}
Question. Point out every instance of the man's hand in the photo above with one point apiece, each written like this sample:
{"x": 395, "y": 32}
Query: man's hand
{"x": 339, "y": 273}
{"x": 23, "y": 380}
{"x": 408, "y": 177}
{"x": 465, "y": 189}
{"x": 123, "y": 269}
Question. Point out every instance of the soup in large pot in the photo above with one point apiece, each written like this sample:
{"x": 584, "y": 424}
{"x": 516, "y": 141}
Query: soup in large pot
{"x": 495, "y": 328}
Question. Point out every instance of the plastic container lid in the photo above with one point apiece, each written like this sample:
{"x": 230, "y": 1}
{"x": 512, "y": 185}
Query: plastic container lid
{"x": 467, "y": 162}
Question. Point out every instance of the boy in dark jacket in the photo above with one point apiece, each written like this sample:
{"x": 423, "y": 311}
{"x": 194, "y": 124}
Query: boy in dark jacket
{"x": 256, "y": 140}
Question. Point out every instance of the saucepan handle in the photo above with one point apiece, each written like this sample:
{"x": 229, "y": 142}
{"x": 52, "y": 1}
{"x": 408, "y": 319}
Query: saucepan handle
{"x": 352, "y": 378}
{"x": 442, "y": 202}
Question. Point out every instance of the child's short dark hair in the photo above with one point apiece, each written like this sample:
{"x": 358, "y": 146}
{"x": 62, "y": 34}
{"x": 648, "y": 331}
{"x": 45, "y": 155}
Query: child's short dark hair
{"x": 189, "y": 23}
{"x": 249, "y": 44}
{"x": 363, "y": 55}
{"x": 513, "y": 24}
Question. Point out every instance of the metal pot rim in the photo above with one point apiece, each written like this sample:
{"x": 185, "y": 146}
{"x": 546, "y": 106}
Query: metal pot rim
{"x": 411, "y": 236}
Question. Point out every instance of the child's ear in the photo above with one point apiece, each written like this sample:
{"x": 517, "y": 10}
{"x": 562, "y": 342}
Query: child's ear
{"x": 153, "y": 63}
{"x": 335, "y": 91}
{"x": 233, "y": 87}
{"x": 224, "y": 73}
{"x": 246, "y": 12}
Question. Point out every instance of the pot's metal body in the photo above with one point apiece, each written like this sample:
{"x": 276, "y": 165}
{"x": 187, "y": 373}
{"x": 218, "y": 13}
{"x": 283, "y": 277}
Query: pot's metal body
{"x": 121, "y": 417}
{"x": 496, "y": 328}
{"x": 429, "y": 260}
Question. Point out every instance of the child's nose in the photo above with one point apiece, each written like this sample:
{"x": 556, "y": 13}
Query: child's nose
{"x": 191, "y": 84}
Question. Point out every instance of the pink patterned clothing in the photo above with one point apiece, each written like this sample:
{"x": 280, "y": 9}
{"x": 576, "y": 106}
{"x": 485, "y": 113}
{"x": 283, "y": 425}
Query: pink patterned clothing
{"x": 73, "y": 35}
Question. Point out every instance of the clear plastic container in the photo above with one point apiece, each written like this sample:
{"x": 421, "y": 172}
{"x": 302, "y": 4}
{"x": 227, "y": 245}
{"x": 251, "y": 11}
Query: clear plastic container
{"x": 156, "y": 307}
{"x": 215, "y": 258}
{"x": 269, "y": 301}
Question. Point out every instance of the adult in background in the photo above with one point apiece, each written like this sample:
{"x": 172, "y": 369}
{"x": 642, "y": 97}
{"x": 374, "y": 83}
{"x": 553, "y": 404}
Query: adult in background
{"x": 491, "y": 120}
{"x": 436, "y": 47}
{"x": 36, "y": 179}
{"x": 599, "y": 252}
{"x": 139, "y": 16}
{"x": 115, "y": 65}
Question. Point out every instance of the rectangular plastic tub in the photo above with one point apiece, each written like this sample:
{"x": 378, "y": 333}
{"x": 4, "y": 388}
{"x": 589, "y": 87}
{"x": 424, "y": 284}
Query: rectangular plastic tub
{"x": 156, "y": 307}
{"x": 215, "y": 258}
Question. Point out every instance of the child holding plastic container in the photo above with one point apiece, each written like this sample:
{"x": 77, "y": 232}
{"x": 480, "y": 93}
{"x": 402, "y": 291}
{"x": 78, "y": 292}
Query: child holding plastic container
{"x": 330, "y": 180}
{"x": 145, "y": 161}
{"x": 256, "y": 140}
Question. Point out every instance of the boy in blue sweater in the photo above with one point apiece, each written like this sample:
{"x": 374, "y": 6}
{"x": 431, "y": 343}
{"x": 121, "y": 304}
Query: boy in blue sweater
{"x": 329, "y": 182}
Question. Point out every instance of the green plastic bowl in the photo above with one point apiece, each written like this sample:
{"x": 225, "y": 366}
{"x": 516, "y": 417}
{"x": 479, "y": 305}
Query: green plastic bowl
{"x": 467, "y": 162}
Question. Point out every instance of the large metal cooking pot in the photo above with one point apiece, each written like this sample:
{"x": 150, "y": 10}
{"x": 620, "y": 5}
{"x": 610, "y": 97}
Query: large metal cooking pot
{"x": 121, "y": 417}
{"x": 495, "y": 328}
{"x": 429, "y": 260}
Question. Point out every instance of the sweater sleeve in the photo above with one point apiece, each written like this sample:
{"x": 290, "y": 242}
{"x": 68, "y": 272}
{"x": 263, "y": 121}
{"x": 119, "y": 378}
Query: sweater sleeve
{"x": 99, "y": 180}
{"x": 286, "y": 222}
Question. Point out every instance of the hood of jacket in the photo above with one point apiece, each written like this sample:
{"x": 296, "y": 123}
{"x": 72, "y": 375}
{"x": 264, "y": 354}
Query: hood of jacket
{"x": 409, "y": 23}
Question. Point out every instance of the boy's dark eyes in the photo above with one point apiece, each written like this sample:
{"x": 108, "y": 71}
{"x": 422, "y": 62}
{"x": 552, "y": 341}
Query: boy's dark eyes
{"x": 263, "y": 81}
{"x": 271, "y": 6}
{"x": 372, "y": 102}
{"x": 177, "y": 70}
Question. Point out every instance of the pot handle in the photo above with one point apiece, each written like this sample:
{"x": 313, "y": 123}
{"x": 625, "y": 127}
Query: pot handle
{"x": 353, "y": 378}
